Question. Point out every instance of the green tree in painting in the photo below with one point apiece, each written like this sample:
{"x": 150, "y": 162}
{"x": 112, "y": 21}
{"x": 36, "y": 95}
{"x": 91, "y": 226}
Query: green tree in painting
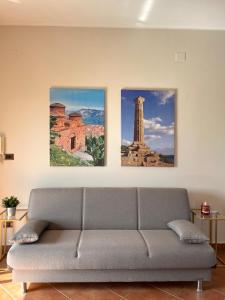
{"x": 95, "y": 147}
{"x": 59, "y": 157}
{"x": 52, "y": 121}
{"x": 124, "y": 149}
{"x": 53, "y": 134}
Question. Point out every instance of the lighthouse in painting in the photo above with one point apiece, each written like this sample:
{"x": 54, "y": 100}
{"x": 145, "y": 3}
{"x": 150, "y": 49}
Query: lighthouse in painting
{"x": 138, "y": 150}
{"x": 139, "y": 120}
{"x": 138, "y": 153}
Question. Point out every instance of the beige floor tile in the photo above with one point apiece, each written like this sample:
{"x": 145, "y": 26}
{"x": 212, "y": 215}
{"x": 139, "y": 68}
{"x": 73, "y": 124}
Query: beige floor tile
{"x": 149, "y": 293}
{"x": 86, "y": 291}
{"x": 4, "y": 295}
{"x": 35, "y": 292}
{"x": 217, "y": 284}
{"x": 188, "y": 291}
{"x": 14, "y": 289}
{"x": 124, "y": 288}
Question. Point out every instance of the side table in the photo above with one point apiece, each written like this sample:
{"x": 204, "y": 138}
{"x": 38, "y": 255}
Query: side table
{"x": 4, "y": 221}
{"x": 211, "y": 219}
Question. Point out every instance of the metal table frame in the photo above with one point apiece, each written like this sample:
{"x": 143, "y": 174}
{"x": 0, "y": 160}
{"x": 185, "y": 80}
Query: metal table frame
{"x": 213, "y": 236}
{"x": 4, "y": 220}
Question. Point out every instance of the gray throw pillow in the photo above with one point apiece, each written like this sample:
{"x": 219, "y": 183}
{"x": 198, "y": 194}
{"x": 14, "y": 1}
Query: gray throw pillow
{"x": 188, "y": 232}
{"x": 30, "y": 232}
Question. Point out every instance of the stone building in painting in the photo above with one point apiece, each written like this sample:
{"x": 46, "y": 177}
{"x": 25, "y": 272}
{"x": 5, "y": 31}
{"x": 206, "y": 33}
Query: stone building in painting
{"x": 138, "y": 153}
{"x": 70, "y": 129}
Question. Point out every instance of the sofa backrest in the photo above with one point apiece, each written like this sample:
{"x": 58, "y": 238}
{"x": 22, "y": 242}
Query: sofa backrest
{"x": 158, "y": 206}
{"x": 108, "y": 208}
{"x": 62, "y": 207}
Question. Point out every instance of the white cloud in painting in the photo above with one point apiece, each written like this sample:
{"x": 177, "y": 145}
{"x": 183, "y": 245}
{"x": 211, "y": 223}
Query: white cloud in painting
{"x": 157, "y": 119}
{"x": 71, "y": 108}
{"x": 152, "y": 137}
{"x": 126, "y": 142}
{"x": 155, "y": 127}
{"x": 164, "y": 96}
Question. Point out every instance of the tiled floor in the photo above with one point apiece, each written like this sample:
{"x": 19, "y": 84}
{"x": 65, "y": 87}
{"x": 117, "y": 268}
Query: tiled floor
{"x": 214, "y": 290}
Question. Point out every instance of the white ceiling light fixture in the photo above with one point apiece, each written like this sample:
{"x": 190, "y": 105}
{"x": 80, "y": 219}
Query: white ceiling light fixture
{"x": 145, "y": 10}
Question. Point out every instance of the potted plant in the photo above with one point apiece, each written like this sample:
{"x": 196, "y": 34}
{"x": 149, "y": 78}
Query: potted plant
{"x": 10, "y": 203}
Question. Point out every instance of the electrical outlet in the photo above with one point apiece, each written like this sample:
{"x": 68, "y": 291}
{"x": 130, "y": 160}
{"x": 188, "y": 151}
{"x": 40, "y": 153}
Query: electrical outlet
{"x": 180, "y": 56}
{"x": 9, "y": 156}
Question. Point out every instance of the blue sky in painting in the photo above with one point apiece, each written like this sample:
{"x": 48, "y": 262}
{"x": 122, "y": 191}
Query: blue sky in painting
{"x": 159, "y": 118}
{"x": 75, "y": 99}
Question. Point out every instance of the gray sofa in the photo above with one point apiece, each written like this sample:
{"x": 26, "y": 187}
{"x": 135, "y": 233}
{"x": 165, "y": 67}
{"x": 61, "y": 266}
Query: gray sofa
{"x": 109, "y": 234}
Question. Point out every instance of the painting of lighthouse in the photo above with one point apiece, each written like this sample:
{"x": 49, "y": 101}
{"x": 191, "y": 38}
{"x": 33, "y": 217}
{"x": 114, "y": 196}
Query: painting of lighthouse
{"x": 77, "y": 126}
{"x": 148, "y": 127}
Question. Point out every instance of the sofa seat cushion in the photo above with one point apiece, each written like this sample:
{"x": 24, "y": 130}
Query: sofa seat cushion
{"x": 55, "y": 250}
{"x": 168, "y": 252}
{"x": 112, "y": 249}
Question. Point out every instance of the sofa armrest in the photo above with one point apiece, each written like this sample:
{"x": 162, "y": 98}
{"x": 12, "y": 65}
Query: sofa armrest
{"x": 188, "y": 232}
{"x": 30, "y": 232}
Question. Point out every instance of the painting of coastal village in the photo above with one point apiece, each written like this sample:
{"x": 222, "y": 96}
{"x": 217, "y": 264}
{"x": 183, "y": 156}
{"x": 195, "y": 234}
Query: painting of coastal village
{"x": 148, "y": 125}
{"x": 77, "y": 127}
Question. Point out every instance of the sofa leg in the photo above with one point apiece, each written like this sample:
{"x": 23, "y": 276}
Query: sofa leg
{"x": 199, "y": 286}
{"x": 24, "y": 287}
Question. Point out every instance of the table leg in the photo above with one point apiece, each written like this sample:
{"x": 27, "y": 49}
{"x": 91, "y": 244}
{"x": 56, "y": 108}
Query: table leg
{"x": 1, "y": 246}
{"x": 210, "y": 231}
{"x": 216, "y": 244}
{"x": 5, "y": 237}
{"x": 192, "y": 217}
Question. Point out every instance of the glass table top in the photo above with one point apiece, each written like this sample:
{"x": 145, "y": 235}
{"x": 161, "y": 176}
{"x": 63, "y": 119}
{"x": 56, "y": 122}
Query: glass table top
{"x": 198, "y": 215}
{"x": 20, "y": 214}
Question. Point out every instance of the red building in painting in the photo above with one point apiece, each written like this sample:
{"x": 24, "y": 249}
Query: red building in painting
{"x": 71, "y": 129}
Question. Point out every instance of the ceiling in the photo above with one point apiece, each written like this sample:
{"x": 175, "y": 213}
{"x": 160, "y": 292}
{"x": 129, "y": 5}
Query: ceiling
{"x": 176, "y": 14}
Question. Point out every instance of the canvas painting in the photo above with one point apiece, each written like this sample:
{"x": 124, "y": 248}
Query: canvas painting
{"x": 148, "y": 125}
{"x": 77, "y": 127}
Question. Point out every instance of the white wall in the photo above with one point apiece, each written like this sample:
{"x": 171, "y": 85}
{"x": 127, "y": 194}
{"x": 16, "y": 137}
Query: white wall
{"x": 34, "y": 59}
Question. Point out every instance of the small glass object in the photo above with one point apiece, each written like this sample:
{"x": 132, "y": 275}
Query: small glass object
{"x": 214, "y": 213}
{"x": 205, "y": 209}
